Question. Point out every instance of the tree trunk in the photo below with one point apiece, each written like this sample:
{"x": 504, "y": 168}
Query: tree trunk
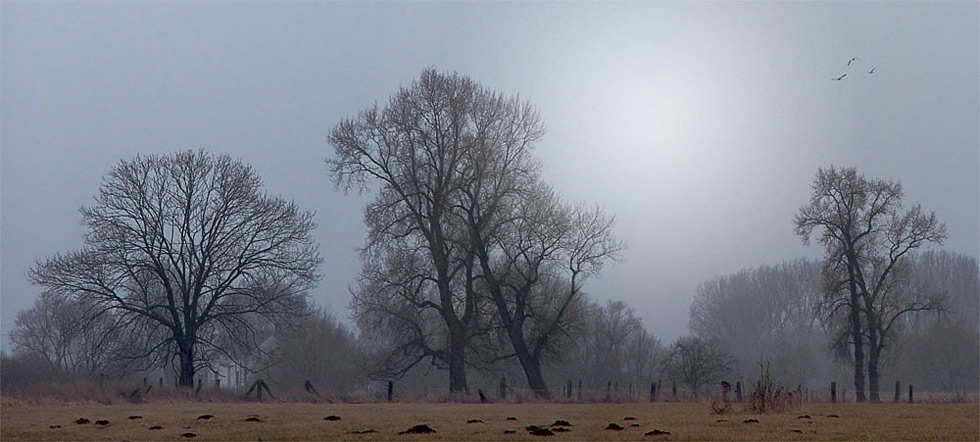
{"x": 856, "y": 335}
{"x": 186, "y": 376}
{"x": 457, "y": 359}
{"x": 873, "y": 358}
{"x": 532, "y": 371}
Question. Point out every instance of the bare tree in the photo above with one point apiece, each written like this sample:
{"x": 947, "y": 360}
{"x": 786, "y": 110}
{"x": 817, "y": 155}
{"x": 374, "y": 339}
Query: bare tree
{"x": 74, "y": 340}
{"x": 867, "y": 236}
{"x": 769, "y": 313}
{"x": 189, "y": 245}
{"x": 415, "y": 149}
{"x": 698, "y": 362}
{"x": 319, "y": 349}
{"x": 534, "y": 264}
{"x": 613, "y": 344}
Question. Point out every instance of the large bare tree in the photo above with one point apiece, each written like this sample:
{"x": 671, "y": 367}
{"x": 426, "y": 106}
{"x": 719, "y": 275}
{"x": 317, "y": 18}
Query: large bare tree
{"x": 868, "y": 236}
{"x": 188, "y": 246}
{"x": 462, "y": 228}
{"x": 414, "y": 149}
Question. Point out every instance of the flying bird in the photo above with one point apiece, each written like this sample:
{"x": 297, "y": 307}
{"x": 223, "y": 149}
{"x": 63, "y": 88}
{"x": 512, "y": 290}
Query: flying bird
{"x": 839, "y": 78}
{"x": 853, "y": 59}
{"x": 872, "y": 71}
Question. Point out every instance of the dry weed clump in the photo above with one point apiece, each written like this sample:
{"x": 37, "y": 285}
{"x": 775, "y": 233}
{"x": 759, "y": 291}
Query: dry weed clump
{"x": 769, "y": 396}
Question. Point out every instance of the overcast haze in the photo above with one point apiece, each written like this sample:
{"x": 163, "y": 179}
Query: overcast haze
{"x": 700, "y": 126}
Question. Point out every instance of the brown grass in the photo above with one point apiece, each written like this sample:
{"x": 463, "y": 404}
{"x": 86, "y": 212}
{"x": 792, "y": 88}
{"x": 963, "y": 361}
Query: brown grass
{"x": 299, "y": 421}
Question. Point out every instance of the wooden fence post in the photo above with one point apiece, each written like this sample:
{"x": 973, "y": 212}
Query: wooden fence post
{"x": 568, "y": 389}
{"x": 738, "y": 391}
{"x": 833, "y": 392}
{"x": 910, "y": 393}
{"x": 898, "y": 390}
{"x": 391, "y": 390}
{"x": 653, "y": 391}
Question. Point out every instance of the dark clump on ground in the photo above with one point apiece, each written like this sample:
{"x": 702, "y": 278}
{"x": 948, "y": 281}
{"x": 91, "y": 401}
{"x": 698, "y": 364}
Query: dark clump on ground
{"x": 253, "y": 419}
{"x": 541, "y": 432}
{"x": 656, "y": 432}
{"x": 560, "y": 430}
{"x": 798, "y": 431}
{"x": 510, "y": 431}
{"x": 81, "y": 421}
{"x": 474, "y": 421}
{"x": 562, "y": 423}
{"x": 132, "y": 418}
{"x": 156, "y": 427}
{"x": 55, "y": 426}
{"x": 368, "y": 431}
{"x": 205, "y": 417}
{"x": 750, "y": 421}
{"x": 721, "y": 420}
{"x": 634, "y": 425}
{"x": 629, "y": 418}
{"x": 188, "y": 434}
{"x": 102, "y": 422}
{"x": 614, "y": 427}
{"x": 419, "y": 429}
{"x": 532, "y": 428}
{"x": 832, "y": 415}
{"x": 332, "y": 418}
{"x": 805, "y": 416}
{"x": 511, "y": 418}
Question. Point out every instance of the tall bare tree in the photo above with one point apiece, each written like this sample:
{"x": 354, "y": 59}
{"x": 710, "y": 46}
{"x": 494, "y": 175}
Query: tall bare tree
{"x": 415, "y": 149}
{"x": 867, "y": 235}
{"x": 462, "y": 227}
{"x": 189, "y": 245}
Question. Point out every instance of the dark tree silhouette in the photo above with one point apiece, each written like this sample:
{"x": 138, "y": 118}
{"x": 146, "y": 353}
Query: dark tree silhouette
{"x": 867, "y": 235}
{"x": 189, "y": 247}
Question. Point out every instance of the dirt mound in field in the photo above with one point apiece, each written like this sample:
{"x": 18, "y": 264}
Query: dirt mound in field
{"x": 419, "y": 429}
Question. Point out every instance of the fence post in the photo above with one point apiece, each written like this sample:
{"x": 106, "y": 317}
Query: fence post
{"x": 653, "y": 391}
{"x": 161, "y": 383}
{"x": 391, "y": 390}
{"x": 833, "y": 392}
{"x": 568, "y": 389}
{"x": 898, "y": 390}
{"x": 738, "y": 391}
{"x": 910, "y": 393}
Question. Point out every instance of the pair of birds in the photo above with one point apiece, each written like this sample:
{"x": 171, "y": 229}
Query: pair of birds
{"x": 852, "y": 60}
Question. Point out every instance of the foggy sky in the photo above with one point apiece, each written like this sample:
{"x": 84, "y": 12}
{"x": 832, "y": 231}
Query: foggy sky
{"x": 700, "y": 126}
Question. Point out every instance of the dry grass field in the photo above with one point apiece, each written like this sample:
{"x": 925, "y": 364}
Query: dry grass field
{"x": 303, "y": 421}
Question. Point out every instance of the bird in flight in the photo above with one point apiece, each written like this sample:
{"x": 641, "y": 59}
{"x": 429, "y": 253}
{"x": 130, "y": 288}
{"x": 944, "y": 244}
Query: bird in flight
{"x": 853, "y": 59}
{"x": 839, "y": 78}
{"x": 872, "y": 71}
